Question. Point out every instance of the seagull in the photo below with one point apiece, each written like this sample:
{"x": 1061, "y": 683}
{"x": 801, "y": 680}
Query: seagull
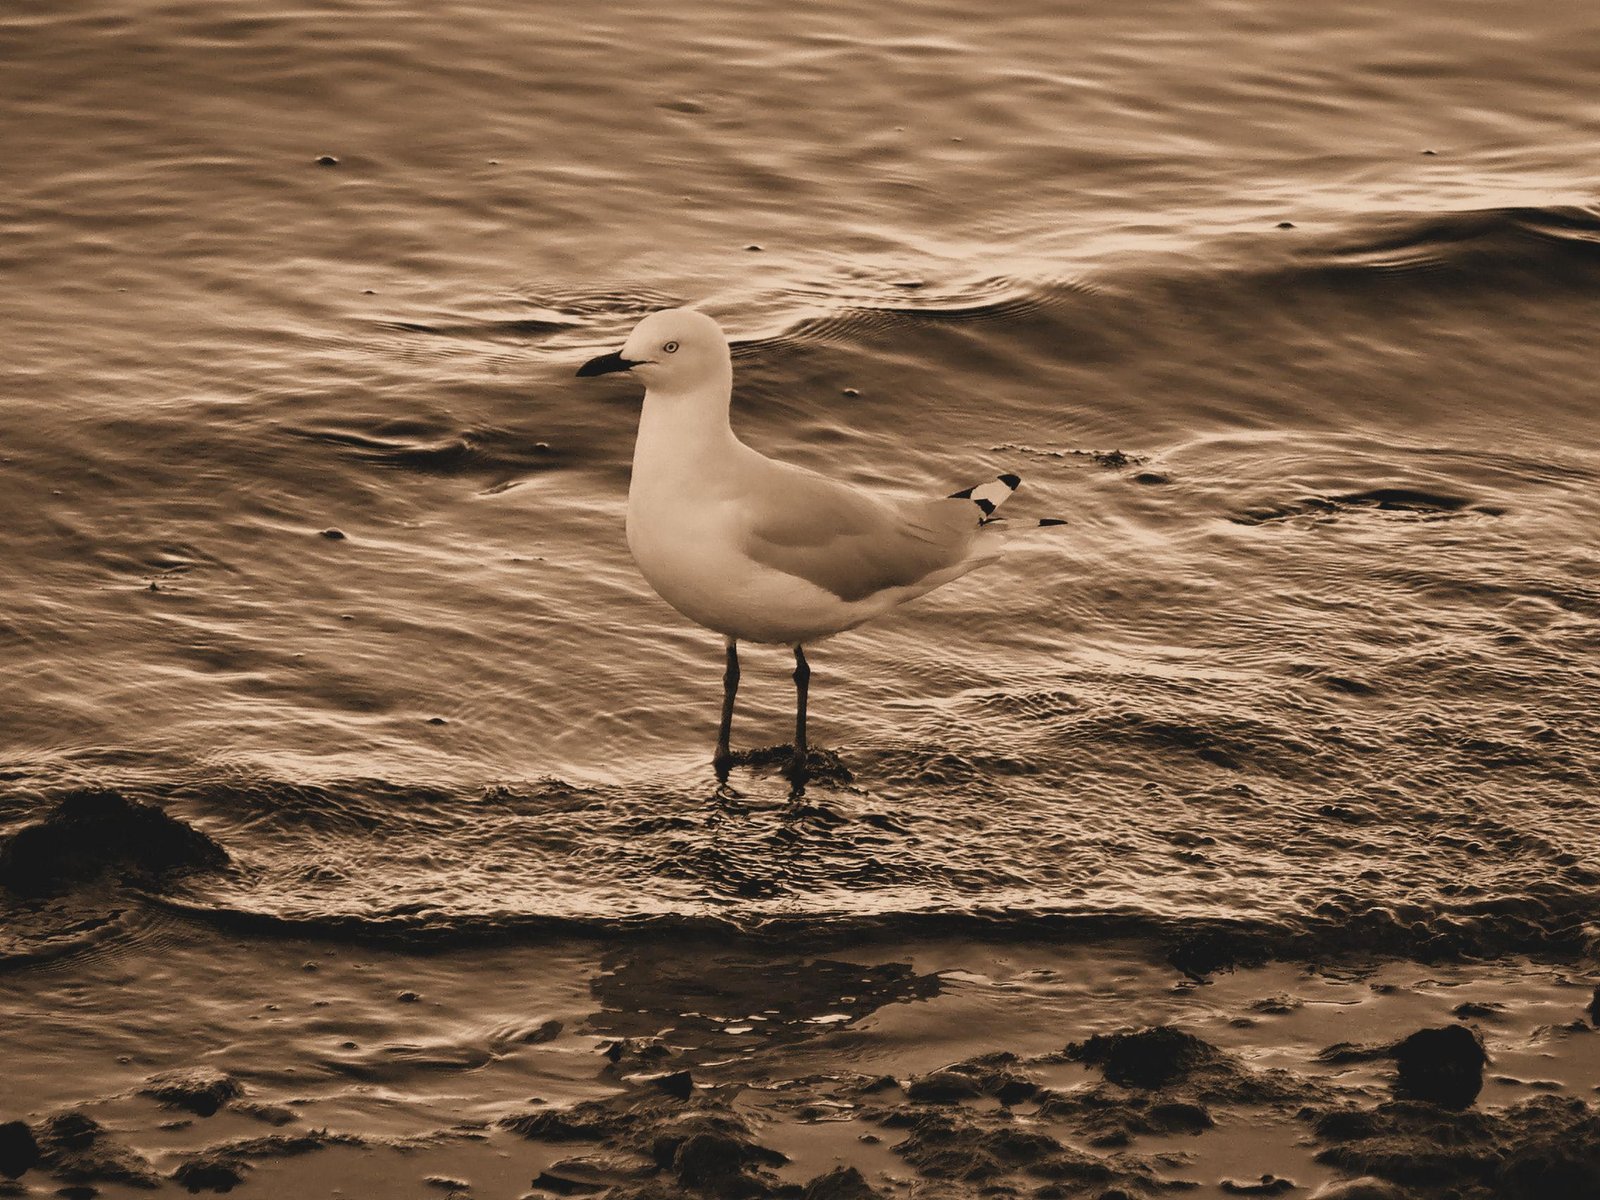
{"x": 763, "y": 551}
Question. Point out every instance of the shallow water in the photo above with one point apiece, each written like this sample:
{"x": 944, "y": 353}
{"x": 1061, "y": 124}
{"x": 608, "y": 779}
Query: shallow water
{"x": 1320, "y": 655}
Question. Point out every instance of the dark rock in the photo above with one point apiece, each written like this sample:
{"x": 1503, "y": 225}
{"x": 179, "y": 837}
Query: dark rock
{"x": 93, "y": 831}
{"x": 678, "y": 1084}
{"x": 211, "y": 1172}
{"x": 1345, "y": 1125}
{"x": 954, "y": 1145}
{"x": 76, "y": 1148}
{"x": 1179, "y": 1117}
{"x": 200, "y": 1090}
{"x": 1278, "y": 1005}
{"x": 562, "y": 1185}
{"x": 327, "y": 160}
{"x": 1148, "y": 1058}
{"x": 1549, "y": 1168}
{"x": 995, "y": 1074}
{"x": 1443, "y": 1066}
{"x": 1471, "y": 1010}
{"x": 1349, "y": 1052}
{"x": 1594, "y": 1007}
{"x": 408, "y": 997}
{"x": 1545, "y": 1147}
{"x": 18, "y": 1150}
{"x": 842, "y": 1183}
{"x": 942, "y": 1087}
{"x": 333, "y": 535}
{"x": 1015, "y": 1091}
{"x": 587, "y": 1122}
{"x": 446, "y": 1183}
{"x": 72, "y": 1131}
{"x": 272, "y": 1114}
{"x": 1285, "y": 224}
{"x": 708, "y": 1158}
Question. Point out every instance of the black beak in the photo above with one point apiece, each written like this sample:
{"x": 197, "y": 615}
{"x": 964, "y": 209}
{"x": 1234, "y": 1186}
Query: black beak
{"x": 606, "y": 364}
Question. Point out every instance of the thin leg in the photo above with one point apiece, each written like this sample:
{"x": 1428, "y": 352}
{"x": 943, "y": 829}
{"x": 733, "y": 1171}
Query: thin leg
{"x": 802, "y": 683}
{"x": 730, "y": 688}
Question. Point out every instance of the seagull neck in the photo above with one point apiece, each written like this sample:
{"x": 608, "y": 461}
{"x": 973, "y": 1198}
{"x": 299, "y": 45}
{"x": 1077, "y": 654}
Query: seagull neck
{"x": 678, "y": 422}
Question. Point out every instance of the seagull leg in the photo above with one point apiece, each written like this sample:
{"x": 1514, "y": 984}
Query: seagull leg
{"x": 730, "y": 688}
{"x": 802, "y": 683}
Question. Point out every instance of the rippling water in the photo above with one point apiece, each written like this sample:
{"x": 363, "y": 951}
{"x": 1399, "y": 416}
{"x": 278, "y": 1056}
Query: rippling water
{"x": 1317, "y": 649}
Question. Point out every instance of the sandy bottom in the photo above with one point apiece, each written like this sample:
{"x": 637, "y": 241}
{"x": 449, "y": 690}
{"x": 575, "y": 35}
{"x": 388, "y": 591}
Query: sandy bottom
{"x": 353, "y": 1071}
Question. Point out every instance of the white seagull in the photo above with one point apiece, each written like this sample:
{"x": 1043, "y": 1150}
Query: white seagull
{"x": 764, "y": 551}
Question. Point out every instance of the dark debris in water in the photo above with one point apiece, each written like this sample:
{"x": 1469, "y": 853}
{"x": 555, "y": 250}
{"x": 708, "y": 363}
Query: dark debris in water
{"x": 1112, "y": 460}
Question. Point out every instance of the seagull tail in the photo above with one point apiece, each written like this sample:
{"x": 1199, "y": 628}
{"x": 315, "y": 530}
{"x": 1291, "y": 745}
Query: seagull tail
{"x": 989, "y": 496}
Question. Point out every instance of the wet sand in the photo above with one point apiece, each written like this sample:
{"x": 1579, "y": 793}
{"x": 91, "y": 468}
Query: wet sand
{"x": 315, "y": 1068}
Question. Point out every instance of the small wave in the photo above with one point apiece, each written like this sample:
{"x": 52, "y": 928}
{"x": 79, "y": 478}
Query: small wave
{"x": 853, "y": 315}
{"x": 1408, "y": 501}
{"x": 481, "y": 327}
{"x": 414, "y": 446}
{"x": 1556, "y": 922}
{"x": 1486, "y": 247}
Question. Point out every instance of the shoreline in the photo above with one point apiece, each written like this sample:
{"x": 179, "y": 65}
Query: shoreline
{"x": 351, "y": 1070}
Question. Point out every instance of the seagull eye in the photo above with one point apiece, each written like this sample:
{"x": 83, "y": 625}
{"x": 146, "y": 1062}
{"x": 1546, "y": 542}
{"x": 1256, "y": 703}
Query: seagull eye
{"x": 671, "y": 347}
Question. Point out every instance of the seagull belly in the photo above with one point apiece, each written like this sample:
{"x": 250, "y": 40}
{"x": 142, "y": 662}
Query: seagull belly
{"x": 698, "y": 568}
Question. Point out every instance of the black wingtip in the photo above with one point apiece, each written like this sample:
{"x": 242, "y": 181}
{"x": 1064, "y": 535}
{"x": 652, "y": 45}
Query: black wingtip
{"x": 1011, "y": 481}
{"x": 1052, "y": 521}
{"x": 963, "y": 494}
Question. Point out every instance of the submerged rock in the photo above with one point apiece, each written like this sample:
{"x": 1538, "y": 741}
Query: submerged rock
{"x": 93, "y": 832}
{"x": 200, "y": 1090}
{"x": 1443, "y": 1066}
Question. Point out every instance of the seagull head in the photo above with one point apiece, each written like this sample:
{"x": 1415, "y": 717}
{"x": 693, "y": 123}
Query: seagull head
{"x": 674, "y": 350}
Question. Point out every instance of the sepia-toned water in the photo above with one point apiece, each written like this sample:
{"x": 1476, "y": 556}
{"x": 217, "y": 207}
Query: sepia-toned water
{"x": 1318, "y": 650}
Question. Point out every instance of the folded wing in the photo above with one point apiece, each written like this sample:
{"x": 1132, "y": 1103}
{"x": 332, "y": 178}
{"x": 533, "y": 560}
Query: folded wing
{"x": 852, "y": 543}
